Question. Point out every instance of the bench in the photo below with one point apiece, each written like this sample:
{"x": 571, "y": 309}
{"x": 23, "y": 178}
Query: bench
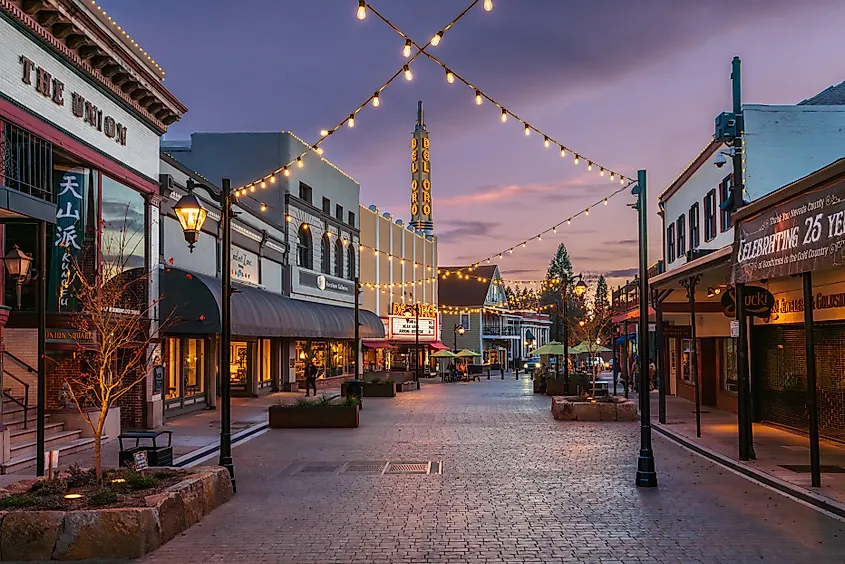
{"x": 157, "y": 455}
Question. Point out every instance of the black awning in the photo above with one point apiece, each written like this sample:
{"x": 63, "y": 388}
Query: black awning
{"x": 192, "y": 302}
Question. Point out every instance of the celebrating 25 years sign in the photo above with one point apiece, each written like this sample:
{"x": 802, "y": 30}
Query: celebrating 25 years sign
{"x": 803, "y": 234}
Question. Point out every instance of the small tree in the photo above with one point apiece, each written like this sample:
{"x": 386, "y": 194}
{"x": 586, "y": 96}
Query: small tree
{"x": 114, "y": 307}
{"x": 593, "y": 330}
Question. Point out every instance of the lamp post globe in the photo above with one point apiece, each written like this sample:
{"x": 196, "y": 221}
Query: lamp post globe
{"x": 17, "y": 265}
{"x": 580, "y": 287}
{"x": 191, "y": 216}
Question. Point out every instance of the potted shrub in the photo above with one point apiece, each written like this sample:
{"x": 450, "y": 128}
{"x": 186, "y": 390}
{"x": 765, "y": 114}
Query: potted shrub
{"x": 322, "y": 412}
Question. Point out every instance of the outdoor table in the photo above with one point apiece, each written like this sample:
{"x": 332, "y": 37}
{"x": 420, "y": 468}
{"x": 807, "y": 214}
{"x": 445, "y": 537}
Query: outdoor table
{"x": 157, "y": 455}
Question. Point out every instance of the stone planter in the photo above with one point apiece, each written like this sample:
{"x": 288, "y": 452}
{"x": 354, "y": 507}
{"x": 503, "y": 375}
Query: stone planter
{"x": 312, "y": 416}
{"x": 555, "y": 387}
{"x": 408, "y": 387}
{"x": 121, "y": 533}
{"x": 574, "y": 408}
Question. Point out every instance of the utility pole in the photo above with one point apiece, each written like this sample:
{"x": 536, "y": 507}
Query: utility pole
{"x": 226, "y": 336}
{"x": 357, "y": 327}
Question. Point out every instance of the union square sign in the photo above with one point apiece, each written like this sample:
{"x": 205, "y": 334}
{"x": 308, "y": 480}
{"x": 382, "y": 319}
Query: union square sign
{"x": 803, "y": 234}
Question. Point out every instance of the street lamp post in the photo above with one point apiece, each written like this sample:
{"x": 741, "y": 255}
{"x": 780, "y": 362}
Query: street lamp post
{"x": 646, "y": 473}
{"x": 417, "y": 338}
{"x": 191, "y": 216}
{"x": 458, "y": 330}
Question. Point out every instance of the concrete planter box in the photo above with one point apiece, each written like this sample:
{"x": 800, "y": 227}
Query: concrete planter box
{"x": 312, "y": 416}
{"x": 121, "y": 533}
{"x": 408, "y": 387}
{"x": 573, "y": 408}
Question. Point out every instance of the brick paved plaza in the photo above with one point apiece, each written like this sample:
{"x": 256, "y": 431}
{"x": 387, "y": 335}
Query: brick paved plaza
{"x": 516, "y": 486}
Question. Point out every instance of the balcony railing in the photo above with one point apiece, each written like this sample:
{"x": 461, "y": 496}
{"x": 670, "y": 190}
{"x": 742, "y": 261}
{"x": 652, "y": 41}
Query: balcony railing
{"x": 495, "y": 330}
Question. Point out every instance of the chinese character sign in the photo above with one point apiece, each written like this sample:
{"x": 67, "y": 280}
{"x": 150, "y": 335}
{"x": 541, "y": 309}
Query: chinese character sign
{"x": 67, "y": 241}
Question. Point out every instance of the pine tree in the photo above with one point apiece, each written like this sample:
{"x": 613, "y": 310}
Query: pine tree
{"x": 559, "y": 272}
{"x": 602, "y": 303}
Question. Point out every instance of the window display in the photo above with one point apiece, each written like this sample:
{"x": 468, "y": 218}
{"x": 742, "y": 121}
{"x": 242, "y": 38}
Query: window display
{"x": 728, "y": 361}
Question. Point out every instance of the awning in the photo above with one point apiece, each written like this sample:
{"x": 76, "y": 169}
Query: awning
{"x": 377, "y": 344}
{"x": 631, "y": 337}
{"x": 192, "y": 302}
{"x": 437, "y": 345}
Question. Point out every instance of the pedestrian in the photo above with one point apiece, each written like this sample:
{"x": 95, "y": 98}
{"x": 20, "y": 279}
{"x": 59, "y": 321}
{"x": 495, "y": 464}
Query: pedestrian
{"x": 652, "y": 370}
{"x": 310, "y": 378}
{"x": 616, "y": 372}
{"x": 636, "y": 371}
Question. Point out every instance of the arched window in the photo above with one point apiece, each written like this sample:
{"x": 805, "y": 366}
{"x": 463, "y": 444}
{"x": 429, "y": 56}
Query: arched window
{"x": 338, "y": 258}
{"x": 326, "y": 254}
{"x": 304, "y": 248}
{"x": 350, "y": 261}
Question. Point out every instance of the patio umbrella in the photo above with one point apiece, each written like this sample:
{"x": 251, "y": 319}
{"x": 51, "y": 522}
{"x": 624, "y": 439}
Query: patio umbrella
{"x": 466, "y": 353}
{"x": 444, "y": 354}
{"x": 550, "y": 348}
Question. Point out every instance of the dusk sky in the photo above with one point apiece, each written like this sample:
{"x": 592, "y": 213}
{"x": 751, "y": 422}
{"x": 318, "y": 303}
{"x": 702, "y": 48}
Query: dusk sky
{"x": 628, "y": 84}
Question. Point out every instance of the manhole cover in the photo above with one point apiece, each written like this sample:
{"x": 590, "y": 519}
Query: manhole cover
{"x": 365, "y": 467}
{"x": 408, "y": 468}
{"x": 319, "y": 468}
{"x": 805, "y": 468}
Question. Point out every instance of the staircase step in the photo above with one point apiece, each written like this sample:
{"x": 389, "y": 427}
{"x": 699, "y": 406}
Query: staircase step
{"x": 30, "y": 433}
{"x": 22, "y": 462}
{"x": 51, "y": 442}
{"x": 16, "y": 423}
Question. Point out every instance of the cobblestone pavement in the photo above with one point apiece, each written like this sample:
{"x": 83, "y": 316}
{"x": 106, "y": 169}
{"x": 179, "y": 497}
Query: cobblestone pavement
{"x": 516, "y": 486}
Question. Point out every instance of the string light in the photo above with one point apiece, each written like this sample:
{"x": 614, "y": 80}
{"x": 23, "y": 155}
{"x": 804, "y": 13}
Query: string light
{"x": 362, "y": 9}
{"x": 527, "y": 129}
{"x": 376, "y": 101}
{"x": 350, "y": 121}
{"x": 587, "y": 211}
{"x": 576, "y": 159}
{"x": 546, "y": 142}
{"x": 263, "y": 207}
{"x": 316, "y": 149}
{"x": 406, "y": 51}
{"x": 450, "y": 77}
{"x": 435, "y": 41}
{"x": 562, "y": 152}
{"x": 408, "y": 74}
{"x": 478, "y": 98}
{"x": 605, "y": 201}
{"x": 285, "y": 171}
{"x": 299, "y": 162}
{"x": 488, "y": 5}
{"x": 324, "y": 133}
{"x": 504, "y": 115}
{"x": 273, "y": 179}
{"x": 263, "y": 184}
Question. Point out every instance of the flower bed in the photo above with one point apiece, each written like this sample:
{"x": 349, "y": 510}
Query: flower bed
{"x": 581, "y": 408}
{"x": 71, "y": 517}
{"x": 320, "y": 413}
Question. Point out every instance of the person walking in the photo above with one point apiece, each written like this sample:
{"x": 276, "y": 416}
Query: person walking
{"x": 310, "y": 378}
{"x": 652, "y": 369}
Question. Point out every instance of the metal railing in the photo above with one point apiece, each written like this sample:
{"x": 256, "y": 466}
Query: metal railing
{"x": 26, "y": 162}
{"x": 23, "y": 402}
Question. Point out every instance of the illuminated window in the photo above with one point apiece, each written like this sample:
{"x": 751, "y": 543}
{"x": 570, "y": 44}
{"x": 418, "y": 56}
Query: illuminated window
{"x": 304, "y": 254}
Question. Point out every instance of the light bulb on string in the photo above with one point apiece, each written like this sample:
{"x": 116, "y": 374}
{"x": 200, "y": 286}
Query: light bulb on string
{"x": 324, "y": 133}
{"x": 263, "y": 184}
{"x": 299, "y": 162}
{"x": 554, "y": 229}
{"x": 406, "y": 50}
{"x": 523, "y": 244}
{"x": 252, "y": 188}
{"x": 527, "y": 129}
{"x": 408, "y": 74}
{"x": 362, "y": 9}
{"x": 285, "y": 171}
{"x": 478, "y": 98}
{"x": 450, "y": 76}
{"x": 612, "y": 176}
{"x": 435, "y": 41}
{"x": 317, "y": 149}
{"x": 605, "y": 201}
{"x": 621, "y": 179}
{"x": 273, "y": 179}
{"x": 590, "y": 166}
{"x": 376, "y": 100}
{"x": 263, "y": 207}
{"x": 562, "y": 152}
{"x": 587, "y": 211}
{"x": 546, "y": 142}
{"x": 569, "y": 221}
{"x": 488, "y": 5}
{"x": 350, "y": 121}
{"x": 576, "y": 159}
{"x": 601, "y": 173}
{"x": 504, "y": 115}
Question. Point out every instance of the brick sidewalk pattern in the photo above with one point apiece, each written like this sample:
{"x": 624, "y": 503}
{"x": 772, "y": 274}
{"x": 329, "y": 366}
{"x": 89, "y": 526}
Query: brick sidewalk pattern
{"x": 517, "y": 486}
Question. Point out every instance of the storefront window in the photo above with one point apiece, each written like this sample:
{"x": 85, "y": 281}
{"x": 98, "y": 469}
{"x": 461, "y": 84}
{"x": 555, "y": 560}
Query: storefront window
{"x": 332, "y": 358}
{"x": 171, "y": 385}
{"x": 239, "y": 364}
{"x": 729, "y": 373}
{"x": 192, "y": 366}
{"x": 123, "y": 242}
{"x": 266, "y": 374}
{"x": 673, "y": 358}
{"x": 685, "y": 360}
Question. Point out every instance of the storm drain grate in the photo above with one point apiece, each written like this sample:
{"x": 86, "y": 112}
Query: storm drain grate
{"x": 408, "y": 468}
{"x": 365, "y": 467}
{"x": 805, "y": 468}
{"x": 319, "y": 468}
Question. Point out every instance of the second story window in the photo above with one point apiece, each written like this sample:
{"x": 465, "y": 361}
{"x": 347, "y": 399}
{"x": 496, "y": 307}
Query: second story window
{"x": 693, "y": 227}
{"x": 710, "y": 215}
{"x": 350, "y": 261}
{"x": 682, "y": 239}
{"x": 338, "y": 258}
{"x": 338, "y": 212}
{"x": 326, "y": 254}
{"x": 670, "y": 243}
{"x": 351, "y": 220}
{"x": 305, "y": 192}
{"x": 724, "y": 194}
{"x": 327, "y": 206}
{"x": 304, "y": 255}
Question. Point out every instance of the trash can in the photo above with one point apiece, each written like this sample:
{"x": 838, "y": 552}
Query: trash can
{"x": 355, "y": 389}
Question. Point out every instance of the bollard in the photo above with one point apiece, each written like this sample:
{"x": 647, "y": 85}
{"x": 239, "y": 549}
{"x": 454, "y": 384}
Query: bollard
{"x": 488, "y": 373}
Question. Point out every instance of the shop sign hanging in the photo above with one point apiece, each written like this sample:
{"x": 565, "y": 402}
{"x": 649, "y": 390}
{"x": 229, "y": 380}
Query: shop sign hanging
{"x": 803, "y": 234}
{"x": 244, "y": 265}
{"x": 67, "y": 244}
{"x": 426, "y": 310}
{"x": 758, "y": 302}
{"x": 406, "y": 327}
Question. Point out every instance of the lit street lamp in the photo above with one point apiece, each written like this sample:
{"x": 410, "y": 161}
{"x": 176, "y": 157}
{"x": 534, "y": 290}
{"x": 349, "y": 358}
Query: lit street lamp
{"x": 580, "y": 289}
{"x": 459, "y": 330}
{"x": 17, "y": 265}
{"x": 191, "y": 216}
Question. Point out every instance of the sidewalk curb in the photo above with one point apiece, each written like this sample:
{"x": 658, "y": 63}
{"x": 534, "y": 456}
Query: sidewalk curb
{"x": 210, "y": 449}
{"x": 790, "y": 490}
